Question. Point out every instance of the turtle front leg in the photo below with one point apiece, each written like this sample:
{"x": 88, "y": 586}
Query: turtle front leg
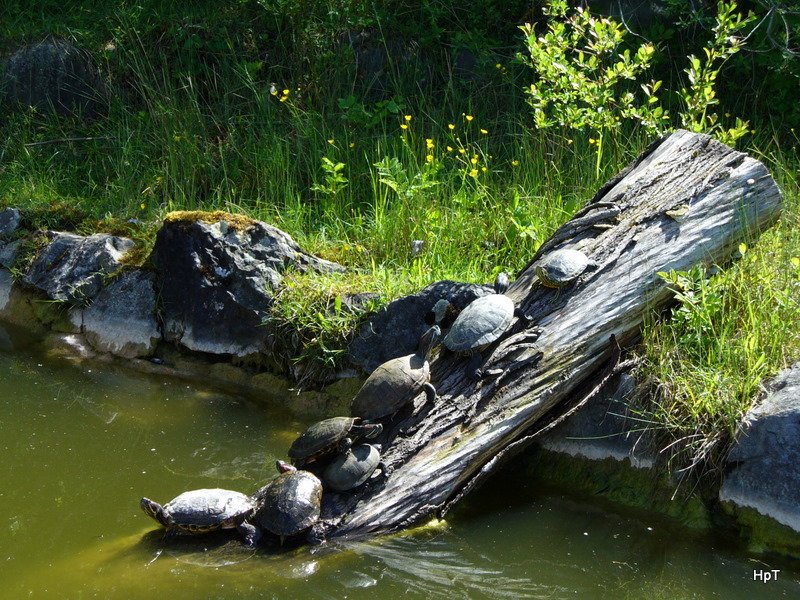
{"x": 250, "y": 533}
{"x": 430, "y": 392}
{"x": 345, "y": 444}
{"x": 474, "y": 371}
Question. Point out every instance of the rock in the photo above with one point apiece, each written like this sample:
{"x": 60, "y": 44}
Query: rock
{"x": 375, "y": 57}
{"x": 122, "y": 318}
{"x": 603, "y": 429}
{"x": 55, "y": 75}
{"x": 9, "y": 222}
{"x": 395, "y": 329}
{"x": 465, "y": 65}
{"x": 71, "y": 267}
{"x": 8, "y": 253}
{"x": 229, "y": 374}
{"x": 763, "y": 468}
{"x": 215, "y": 282}
{"x": 275, "y": 388}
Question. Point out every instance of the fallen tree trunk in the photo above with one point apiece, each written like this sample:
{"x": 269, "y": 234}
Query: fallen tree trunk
{"x": 686, "y": 200}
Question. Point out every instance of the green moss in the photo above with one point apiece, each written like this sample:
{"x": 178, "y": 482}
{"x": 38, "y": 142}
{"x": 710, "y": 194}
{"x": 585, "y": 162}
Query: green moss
{"x": 762, "y": 533}
{"x": 235, "y": 222}
{"x": 617, "y": 482}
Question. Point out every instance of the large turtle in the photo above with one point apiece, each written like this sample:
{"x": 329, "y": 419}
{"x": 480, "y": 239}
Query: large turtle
{"x": 351, "y": 469}
{"x": 397, "y": 382}
{"x": 481, "y": 323}
{"x": 290, "y": 503}
{"x": 328, "y": 436}
{"x": 561, "y": 267}
{"x": 202, "y": 511}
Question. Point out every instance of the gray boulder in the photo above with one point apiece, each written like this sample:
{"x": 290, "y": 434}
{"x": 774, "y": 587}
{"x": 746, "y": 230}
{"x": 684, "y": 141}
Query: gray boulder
{"x": 604, "y": 428}
{"x": 763, "y": 469}
{"x": 9, "y": 222}
{"x": 71, "y": 267}
{"x": 122, "y": 318}
{"x": 55, "y": 75}
{"x": 395, "y": 329}
{"x": 215, "y": 282}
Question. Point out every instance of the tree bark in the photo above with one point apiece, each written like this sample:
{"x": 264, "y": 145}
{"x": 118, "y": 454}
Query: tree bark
{"x": 686, "y": 200}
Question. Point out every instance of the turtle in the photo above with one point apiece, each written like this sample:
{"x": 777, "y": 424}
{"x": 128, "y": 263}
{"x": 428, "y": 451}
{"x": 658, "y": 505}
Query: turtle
{"x": 290, "y": 503}
{"x": 328, "y": 436}
{"x": 561, "y": 267}
{"x": 352, "y": 468}
{"x": 481, "y": 323}
{"x": 203, "y": 511}
{"x": 397, "y": 382}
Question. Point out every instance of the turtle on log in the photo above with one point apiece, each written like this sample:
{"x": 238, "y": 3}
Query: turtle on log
{"x": 202, "y": 511}
{"x": 398, "y": 381}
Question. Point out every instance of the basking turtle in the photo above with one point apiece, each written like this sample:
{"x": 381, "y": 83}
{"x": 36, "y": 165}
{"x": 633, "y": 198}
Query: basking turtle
{"x": 202, "y": 511}
{"x": 561, "y": 267}
{"x": 290, "y": 503}
{"x": 351, "y": 469}
{"x": 328, "y": 436}
{"x": 397, "y": 382}
{"x": 481, "y": 323}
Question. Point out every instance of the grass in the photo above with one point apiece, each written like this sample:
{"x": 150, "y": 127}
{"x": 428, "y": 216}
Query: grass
{"x": 205, "y": 123}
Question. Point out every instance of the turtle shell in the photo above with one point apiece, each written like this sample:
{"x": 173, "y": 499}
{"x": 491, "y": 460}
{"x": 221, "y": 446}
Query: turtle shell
{"x": 321, "y": 438}
{"x": 199, "y": 511}
{"x": 351, "y": 469}
{"x": 391, "y": 386}
{"x": 482, "y": 322}
{"x": 289, "y": 504}
{"x": 561, "y": 267}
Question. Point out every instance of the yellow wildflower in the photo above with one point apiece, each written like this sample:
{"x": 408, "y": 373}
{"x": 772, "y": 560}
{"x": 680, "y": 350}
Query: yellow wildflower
{"x": 429, "y": 158}
{"x": 330, "y": 141}
{"x": 285, "y": 92}
{"x": 403, "y": 126}
{"x": 515, "y": 163}
{"x": 592, "y": 140}
{"x": 484, "y": 132}
{"x": 473, "y": 173}
{"x": 498, "y": 65}
{"x": 450, "y": 126}
{"x": 474, "y": 160}
{"x": 407, "y": 117}
{"x": 284, "y": 98}
{"x": 142, "y": 206}
{"x": 352, "y": 144}
{"x": 484, "y": 169}
{"x": 449, "y": 148}
{"x": 469, "y": 117}
{"x": 429, "y": 143}
{"x": 462, "y": 151}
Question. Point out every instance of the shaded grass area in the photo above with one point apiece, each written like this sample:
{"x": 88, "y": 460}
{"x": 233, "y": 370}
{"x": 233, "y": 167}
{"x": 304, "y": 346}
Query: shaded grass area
{"x": 223, "y": 113}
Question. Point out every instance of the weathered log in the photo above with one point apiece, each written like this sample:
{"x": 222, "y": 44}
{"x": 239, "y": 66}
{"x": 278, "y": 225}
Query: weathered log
{"x": 686, "y": 200}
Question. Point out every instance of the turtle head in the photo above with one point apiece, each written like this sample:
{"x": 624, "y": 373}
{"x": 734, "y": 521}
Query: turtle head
{"x": 284, "y": 467}
{"x": 371, "y": 430}
{"x": 429, "y": 340}
{"x": 154, "y": 510}
{"x": 440, "y": 310}
{"x": 501, "y": 283}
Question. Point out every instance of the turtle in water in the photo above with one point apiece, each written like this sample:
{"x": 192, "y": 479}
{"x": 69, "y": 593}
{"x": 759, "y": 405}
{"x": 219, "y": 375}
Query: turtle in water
{"x": 329, "y": 436}
{"x": 397, "y": 382}
{"x": 481, "y": 323}
{"x": 351, "y": 469}
{"x": 290, "y": 503}
{"x": 561, "y": 267}
{"x": 202, "y": 511}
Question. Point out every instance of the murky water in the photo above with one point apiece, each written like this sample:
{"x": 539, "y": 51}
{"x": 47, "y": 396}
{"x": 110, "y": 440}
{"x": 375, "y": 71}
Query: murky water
{"x": 80, "y": 445}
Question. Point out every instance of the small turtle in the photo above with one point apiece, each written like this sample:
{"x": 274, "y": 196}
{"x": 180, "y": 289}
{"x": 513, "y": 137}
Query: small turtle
{"x": 397, "y": 382}
{"x": 351, "y": 469}
{"x": 328, "y": 436}
{"x": 561, "y": 267}
{"x": 290, "y": 503}
{"x": 202, "y": 511}
{"x": 481, "y": 323}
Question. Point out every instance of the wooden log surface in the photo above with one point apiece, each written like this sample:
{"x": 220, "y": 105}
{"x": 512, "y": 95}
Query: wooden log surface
{"x": 687, "y": 200}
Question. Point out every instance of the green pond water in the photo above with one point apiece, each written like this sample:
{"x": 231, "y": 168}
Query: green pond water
{"x": 81, "y": 444}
